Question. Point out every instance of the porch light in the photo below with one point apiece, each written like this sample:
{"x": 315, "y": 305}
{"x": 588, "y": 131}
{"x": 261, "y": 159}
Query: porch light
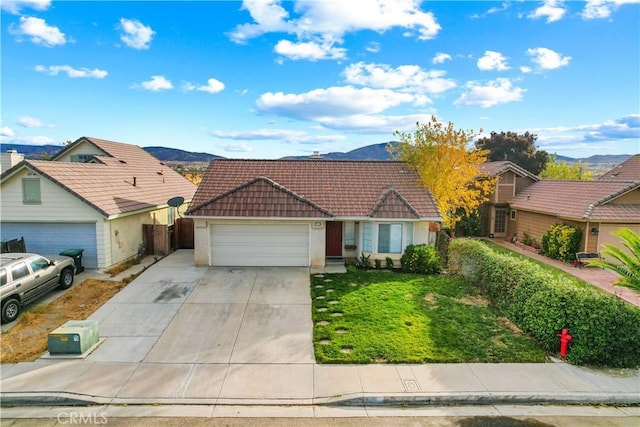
{"x": 595, "y": 231}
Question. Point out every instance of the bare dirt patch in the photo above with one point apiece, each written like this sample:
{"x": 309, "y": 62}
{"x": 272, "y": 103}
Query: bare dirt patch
{"x": 476, "y": 300}
{"x": 27, "y": 340}
{"x": 506, "y": 323}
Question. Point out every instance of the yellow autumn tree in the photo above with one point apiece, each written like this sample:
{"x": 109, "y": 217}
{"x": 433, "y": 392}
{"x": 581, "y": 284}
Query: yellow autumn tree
{"x": 447, "y": 168}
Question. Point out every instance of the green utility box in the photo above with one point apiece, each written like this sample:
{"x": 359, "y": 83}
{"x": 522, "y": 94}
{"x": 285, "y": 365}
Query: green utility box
{"x": 74, "y": 337}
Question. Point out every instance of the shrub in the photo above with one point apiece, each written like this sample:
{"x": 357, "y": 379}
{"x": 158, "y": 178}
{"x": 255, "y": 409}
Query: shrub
{"x": 605, "y": 329}
{"x": 421, "y": 259}
{"x": 378, "y": 264}
{"x": 389, "y": 263}
{"x": 562, "y": 242}
{"x": 364, "y": 261}
{"x": 470, "y": 225}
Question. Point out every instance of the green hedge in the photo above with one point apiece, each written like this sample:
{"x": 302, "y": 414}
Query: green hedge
{"x": 605, "y": 329}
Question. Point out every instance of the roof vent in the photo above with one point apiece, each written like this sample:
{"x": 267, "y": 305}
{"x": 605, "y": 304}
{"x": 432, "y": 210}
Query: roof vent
{"x": 122, "y": 161}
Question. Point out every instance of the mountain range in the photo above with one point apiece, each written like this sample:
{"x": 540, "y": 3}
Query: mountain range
{"x": 369, "y": 152}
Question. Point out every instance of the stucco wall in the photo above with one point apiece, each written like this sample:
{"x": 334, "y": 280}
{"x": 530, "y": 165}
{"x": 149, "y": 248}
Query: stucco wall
{"x": 630, "y": 197}
{"x": 536, "y": 225}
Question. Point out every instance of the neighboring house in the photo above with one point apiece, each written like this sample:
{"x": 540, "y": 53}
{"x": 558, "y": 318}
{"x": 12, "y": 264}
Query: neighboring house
{"x": 94, "y": 195}
{"x": 9, "y": 159}
{"x": 299, "y": 212}
{"x": 629, "y": 170}
{"x": 497, "y": 219}
{"x": 597, "y": 207}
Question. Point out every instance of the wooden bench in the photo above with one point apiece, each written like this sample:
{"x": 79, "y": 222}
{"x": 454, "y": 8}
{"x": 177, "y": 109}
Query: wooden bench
{"x": 582, "y": 257}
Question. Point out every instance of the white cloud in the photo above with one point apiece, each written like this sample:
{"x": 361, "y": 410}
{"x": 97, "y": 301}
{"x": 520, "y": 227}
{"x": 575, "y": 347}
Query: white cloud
{"x": 290, "y": 136}
{"x": 525, "y": 69}
{"x": 6, "y": 131}
{"x": 373, "y": 47}
{"x": 410, "y": 77}
{"x": 377, "y": 123}
{"x": 312, "y": 51}
{"x": 30, "y": 122}
{"x": 601, "y": 9}
{"x": 135, "y": 34}
{"x": 547, "y": 59}
{"x": 499, "y": 91}
{"x": 240, "y": 147}
{"x": 324, "y": 23}
{"x": 212, "y": 86}
{"x": 491, "y": 11}
{"x": 330, "y": 102}
{"x": 553, "y": 10}
{"x": 16, "y": 6}
{"x": 74, "y": 73}
{"x": 38, "y": 31}
{"x": 492, "y": 61}
{"x": 29, "y": 140}
{"x": 156, "y": 84}
{"x": 441, "y": 57}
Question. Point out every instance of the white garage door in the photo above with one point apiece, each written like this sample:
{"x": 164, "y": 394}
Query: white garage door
{"x": 277, "y": 245}
{"x": 52, "y": 238}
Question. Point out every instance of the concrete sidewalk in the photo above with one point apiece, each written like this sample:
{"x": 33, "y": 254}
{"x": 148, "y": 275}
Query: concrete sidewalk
{"x": 135, "y": 368}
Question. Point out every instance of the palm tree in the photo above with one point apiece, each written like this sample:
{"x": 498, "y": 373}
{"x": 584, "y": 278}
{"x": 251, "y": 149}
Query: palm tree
{"x": 629, "y": 263}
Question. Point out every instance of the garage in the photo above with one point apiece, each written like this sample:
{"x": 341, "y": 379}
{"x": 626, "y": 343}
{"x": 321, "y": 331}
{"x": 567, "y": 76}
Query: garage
{"x": 259, "y": 245}
{"x": 53, "y": 238}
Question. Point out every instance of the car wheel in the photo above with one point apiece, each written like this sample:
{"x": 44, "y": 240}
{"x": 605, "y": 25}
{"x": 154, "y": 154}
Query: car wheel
{"x": 66, "y": 278}
{"x": 10, "y": 310}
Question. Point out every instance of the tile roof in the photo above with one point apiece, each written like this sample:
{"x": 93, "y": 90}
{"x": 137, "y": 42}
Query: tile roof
{"x": 260, "y": 197}
{"x": 629, "y": 170}
{"x": 580, "y": 200}
{"x": 338, "y": 188}
{"x": 108, "y": 185}
{"x": 496, "y": 168}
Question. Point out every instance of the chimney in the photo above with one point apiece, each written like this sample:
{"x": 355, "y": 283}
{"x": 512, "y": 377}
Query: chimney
{"x": 10, "y": 159}
{"x": 315, "y": 156}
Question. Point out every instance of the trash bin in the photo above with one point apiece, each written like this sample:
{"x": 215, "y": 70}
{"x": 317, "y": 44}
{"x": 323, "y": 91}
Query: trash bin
{"x": 76, "y": 254}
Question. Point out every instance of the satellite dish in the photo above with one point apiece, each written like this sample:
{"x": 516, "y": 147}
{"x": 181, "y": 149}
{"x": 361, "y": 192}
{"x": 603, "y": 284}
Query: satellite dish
{"x": 175, "y": 202}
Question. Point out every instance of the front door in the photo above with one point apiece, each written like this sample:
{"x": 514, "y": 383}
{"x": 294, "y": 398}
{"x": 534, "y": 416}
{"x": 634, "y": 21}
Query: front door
{"x": 500, "y": 222}
{"x": 334, "y": 239}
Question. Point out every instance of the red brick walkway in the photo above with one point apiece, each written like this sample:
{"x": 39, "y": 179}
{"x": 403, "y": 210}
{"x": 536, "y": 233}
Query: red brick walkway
{"x": 603, "y": 279}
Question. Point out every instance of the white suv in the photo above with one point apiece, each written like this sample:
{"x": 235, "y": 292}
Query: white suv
{"x": 26, "y": 277}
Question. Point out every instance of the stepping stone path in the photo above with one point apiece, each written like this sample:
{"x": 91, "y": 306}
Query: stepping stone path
{"x": 329, "y": 290}
{"x": 319, "y": 286}
{"x": 334, "y": 301}
{"x": 320, "y": 297}
{"x": 322, "y": 323}
{"x": 319, "y": 275}
{"x": 322, "y": 309}
{"x": 341, "y": 331}
{"x": 336, "y": 314}
{"x": 328, "y": 280}
{"x": 325, "y": 342}
{"x": 346, "y": 350}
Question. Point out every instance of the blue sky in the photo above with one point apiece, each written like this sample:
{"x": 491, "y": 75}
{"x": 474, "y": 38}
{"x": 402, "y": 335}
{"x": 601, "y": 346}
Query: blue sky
{"x": 267, "y": 79}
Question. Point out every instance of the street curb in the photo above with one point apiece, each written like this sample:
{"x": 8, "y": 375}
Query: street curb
{"x": 356, "y": 399}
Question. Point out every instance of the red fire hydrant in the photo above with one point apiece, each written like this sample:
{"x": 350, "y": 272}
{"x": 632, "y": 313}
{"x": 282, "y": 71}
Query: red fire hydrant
{"x": 564, "y": 341}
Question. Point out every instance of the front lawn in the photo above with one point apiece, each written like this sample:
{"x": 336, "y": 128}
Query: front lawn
{"x": 382, "y": 316}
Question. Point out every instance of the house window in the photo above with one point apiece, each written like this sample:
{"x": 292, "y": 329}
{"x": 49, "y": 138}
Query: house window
{"x": 367, "y": 238}
{"x": 3, "y": 277}
{"x": 349, "y": 233}
{"x": 409, "y": 226}
{"x": 31, "y": 191}
{"x": 390, "y": 238}
{"x": 171, "y": 215}
{"x": 513, "y": 215}
{"x": 81, "y": 157}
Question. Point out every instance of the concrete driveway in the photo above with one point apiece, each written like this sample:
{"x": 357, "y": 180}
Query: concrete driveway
{"x": 178, "y": 313}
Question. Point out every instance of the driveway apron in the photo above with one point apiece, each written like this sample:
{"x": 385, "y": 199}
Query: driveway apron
{"x": 177, "y": 313}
